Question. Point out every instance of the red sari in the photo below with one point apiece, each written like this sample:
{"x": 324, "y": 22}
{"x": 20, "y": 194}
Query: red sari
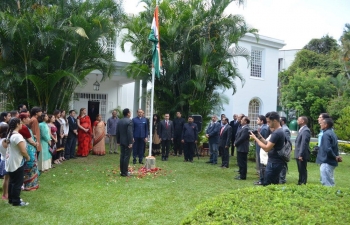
{"x": 84, "y": 138}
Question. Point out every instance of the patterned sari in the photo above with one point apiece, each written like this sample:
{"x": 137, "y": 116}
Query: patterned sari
{"x": 99, "y": 138}
{"x": 31, "y": 172}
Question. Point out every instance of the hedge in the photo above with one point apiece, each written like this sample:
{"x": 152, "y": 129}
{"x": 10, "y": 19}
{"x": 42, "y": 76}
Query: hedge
{"x": 275, "y": 204}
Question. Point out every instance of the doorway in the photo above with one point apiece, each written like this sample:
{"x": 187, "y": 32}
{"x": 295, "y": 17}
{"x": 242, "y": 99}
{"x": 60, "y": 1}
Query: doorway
{"x": 93, "y": 110}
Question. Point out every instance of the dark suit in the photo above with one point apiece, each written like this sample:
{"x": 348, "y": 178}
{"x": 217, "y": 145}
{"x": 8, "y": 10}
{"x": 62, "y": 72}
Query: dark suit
{"x": 140, "y": 132}
{"x": 234, "y": 124}
{"x": 71, "y": 138}
{"x": 189, "y": 136}
{"x": 178, "y": 126}
{"x": 124, "y": 138}
{"x": 242, "y": 145}
{"x": 213, "y": 132}
{"x": 283, "y": 173}
{"x": 224, "y": 144}
{"x": 302, "y": 150}
{"x": 166, "y": 133}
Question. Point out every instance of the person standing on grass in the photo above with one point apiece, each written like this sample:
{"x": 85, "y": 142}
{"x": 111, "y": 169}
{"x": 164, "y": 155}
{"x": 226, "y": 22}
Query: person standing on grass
{"x": 301, "y": 150}
{"x": 224, "y": 142}
{"x": 179, "y": 123}
{"x": 125, "y": 139}
{"x": 166, "y": 135}
{"x": 212, "y": 133}
{"x": 35, "y": 113}
{"x": 3, "y": 146}
{"x": 242, "y": 145}
{"x": 44, "y": 159}
{"x": 111, "y": 132}
{"x": 31, "y": 172}
{"x": 84, "y": 133}
{"x": 328, "y": 153}
{"x": 72, "y": 136}
{"x": 16, "y": 156}
{"x": 189, "y": 139}
{"x": 276, "y": 142}
{"x": 99, "y": 134}
{"x": 140, "y": 136}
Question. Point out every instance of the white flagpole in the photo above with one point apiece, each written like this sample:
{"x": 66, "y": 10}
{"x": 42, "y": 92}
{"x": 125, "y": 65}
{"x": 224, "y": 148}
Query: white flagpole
{"x": 151, "y": 119}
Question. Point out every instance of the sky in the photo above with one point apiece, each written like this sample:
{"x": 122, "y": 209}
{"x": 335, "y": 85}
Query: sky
{"x": 295, "y": 22}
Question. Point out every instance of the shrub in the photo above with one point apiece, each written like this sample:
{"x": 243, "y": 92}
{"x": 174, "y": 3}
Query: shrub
{"x": 252, "y": 151}
{"x": 344, "y": 147}
{"x": 275, "y": 204}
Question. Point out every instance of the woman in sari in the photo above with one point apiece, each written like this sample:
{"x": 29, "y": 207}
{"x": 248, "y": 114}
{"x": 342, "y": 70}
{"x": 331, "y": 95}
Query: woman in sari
{"x": 44, "y": 159}
{"x": 84, "y": 133}
{"x": 31, "y": 172}
{"x": 99, "y": 133}
{"x": 155, "y": 138}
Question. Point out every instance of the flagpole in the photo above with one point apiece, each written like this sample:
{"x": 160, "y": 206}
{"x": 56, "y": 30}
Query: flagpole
{"x": 151, "y": 120}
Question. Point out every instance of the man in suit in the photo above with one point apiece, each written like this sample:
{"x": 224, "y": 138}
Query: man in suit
{"x": 189, "y": 139}
{"x": 283, "y": 121}
{"x": 224, "y": 142}
{"x": 179, "y": 123}
{"x": 125, "y": 139}
{"x": 69, "y": 152}
{"x": 242, "y": 145}
{"x": 234, "y": 124}
{"x": 212, "y": 133}
{"x": 301, "y": 150}
{"x": 166, "y": 135}
{"x": 140, "y": 133}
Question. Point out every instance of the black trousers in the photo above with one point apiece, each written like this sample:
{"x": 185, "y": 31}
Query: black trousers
{"x": 69, "y": 151}
{"x": 233, "y": 148}
{"x": 189, "y": 150}
{"x": 178, "y": 146}
{"x": 225, "y": 156}
{"x": 302, "y": 169}
{"x": 125, "y": 154}
{"x": 242, "y": 158}
{"x": 165, "y": 148}
{"x": 15, "y": 184}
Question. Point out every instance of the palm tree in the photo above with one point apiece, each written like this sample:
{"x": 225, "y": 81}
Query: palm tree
{"x": 198, "y": 47}
{"x": 55, "y": 44}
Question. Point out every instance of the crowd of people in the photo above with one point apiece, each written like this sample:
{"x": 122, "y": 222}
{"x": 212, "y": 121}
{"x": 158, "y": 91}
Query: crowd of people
{"x": 32, "y": 143}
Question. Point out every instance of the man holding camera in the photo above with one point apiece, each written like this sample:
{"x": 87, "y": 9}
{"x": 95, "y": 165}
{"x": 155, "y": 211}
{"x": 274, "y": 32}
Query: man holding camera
{"x": 276, "y": 142}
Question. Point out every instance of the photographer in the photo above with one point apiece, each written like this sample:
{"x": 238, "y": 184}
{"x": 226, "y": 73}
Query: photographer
{"x": 272, "y": 146}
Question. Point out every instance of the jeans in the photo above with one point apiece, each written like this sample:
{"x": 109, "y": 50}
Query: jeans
{"x": 213, "y": 149}
{"x": 327, "y": 174}
{"x": 272, "y": 173}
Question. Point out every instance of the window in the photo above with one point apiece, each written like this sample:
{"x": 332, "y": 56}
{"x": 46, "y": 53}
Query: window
{"x": 111, "y": 46}
{"x": 254, "y": 112}
{"x": 256, "y": 63}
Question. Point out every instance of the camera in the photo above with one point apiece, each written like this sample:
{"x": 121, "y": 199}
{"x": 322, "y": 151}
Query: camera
{"x": 255, "y": 132}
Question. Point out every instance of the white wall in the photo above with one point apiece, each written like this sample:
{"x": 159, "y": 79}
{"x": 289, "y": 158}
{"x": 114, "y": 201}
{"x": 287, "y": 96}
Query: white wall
{"x": 264, "y": 88}
{"x": 288, "y": 57}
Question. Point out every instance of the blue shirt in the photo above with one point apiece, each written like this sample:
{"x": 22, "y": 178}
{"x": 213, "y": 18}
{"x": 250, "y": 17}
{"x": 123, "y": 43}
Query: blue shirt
{"x": 112, "y": 125}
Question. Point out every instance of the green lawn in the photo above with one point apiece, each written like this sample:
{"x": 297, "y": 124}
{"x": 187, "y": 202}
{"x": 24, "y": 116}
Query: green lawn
{"x": 90, "y": 191}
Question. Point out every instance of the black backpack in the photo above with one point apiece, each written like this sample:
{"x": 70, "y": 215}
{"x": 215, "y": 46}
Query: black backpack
{"x": 286, "y": 151}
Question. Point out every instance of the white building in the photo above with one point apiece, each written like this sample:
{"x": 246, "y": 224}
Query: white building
{"x": 259, "y": 93}
{"x": 286, "y": 58}
{"x": 257, "y": 96}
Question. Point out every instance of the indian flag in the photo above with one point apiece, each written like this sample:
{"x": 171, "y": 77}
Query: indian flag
{"x": 154, "y": 37}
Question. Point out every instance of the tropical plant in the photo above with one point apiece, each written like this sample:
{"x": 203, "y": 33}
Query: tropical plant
{"x": 54, "y": 45}
{"x": 199, "y": 45}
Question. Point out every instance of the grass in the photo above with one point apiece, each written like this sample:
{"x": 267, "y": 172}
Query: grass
{"x": 90, "y": 191}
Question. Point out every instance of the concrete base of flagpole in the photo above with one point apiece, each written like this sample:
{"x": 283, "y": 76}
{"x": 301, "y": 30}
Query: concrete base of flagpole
{"x": 150, "y": 162}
